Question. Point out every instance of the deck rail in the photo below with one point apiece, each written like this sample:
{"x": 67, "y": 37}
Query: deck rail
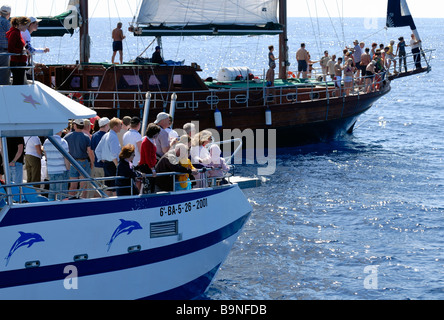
{"x": 253, "y": 92}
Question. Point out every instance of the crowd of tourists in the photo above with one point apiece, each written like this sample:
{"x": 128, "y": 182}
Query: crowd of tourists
{"x": 110, "y": 148}
{"x": 358, "y": 65}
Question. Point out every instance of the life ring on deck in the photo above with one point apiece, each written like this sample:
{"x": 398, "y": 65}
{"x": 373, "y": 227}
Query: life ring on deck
{"x": 76, "y": 96}
{"x": 291, "y": 75}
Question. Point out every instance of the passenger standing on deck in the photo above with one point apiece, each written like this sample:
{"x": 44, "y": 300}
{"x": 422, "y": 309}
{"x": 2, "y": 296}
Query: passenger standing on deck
{"x": 80, "y": 149}
{"x": 133, "y": 136}
{"x": 401, "y": 53}
{"x": 16, "y": 45}
{"x": 302, "y": 59}
{"x": 5, "y": 73}
{"x": 271, "y": 67}
{"x": 357, "y": 53}
{"x": 324, "y": 65}
{"x": 33, "y": 159}
{"x": 365, "y": 60}
{"x": 348, "y": 76}
{"x": 391, "y": 57}
{"x": 108, "y": 152}
{"x": 97, "y": 171}
{"x": 190, "y": 129}
{"x": 415, "y": 45}
{"x": 338, "y": 77}
{"x": 126, "y": 123}
{"x": 370, "y": 76}
{"x": 58, "y": 166}
{"x": 16, "y": 154}
{"x": 170, "y": 162}
{"x": 148, "y": 157}
{"x": 162, "y": 141}
{"x": 271, "y": 58}
{"x": 331, "y": 67}
{"x": 127, "y": 187}
{"x": 118, "y": 38}
{"x": 33, "y": 26}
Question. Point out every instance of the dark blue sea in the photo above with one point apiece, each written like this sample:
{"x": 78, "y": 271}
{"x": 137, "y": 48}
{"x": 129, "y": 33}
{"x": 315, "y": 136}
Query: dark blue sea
{"x": 358, "y": 218}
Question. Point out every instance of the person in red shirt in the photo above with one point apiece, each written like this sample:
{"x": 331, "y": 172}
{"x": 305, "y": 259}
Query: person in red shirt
{"x": 148, "y": 159}
{"x": 16, "y": 45}
{"x": 148, "y": 149}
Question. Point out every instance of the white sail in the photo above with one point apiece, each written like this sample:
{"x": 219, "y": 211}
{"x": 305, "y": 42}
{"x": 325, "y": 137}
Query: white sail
{"x": 203, "y": 12}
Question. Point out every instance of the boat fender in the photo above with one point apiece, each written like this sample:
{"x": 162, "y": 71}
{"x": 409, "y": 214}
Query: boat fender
{"x": 218, "y": 118}
{"x": 291, "y": 75}
{"x": 76, "y": 96}
{"x": 268, "y": 120}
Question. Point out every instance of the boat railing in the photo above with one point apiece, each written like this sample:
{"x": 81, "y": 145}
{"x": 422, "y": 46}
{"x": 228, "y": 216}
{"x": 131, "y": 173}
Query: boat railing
{"x": 47, "y": 191}
{"x": 29, "y": 66}
{"x": 250, "y": 92}
{"x": 197, "y": 100}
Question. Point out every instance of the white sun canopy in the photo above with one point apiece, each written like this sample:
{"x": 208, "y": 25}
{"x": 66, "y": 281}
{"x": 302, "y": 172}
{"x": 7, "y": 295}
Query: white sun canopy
{"x": 203, "y": 12}
{"x": 37, "y": 110}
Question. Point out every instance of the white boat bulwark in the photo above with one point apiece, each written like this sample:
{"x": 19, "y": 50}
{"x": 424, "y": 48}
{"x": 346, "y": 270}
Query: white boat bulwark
{"x": 165, "y": 246}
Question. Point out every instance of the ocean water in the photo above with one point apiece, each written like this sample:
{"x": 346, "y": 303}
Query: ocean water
{"x": 356, "y": 218}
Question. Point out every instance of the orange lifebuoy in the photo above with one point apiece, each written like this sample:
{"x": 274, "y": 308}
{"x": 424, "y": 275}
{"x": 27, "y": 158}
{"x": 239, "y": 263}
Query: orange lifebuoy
{"x": 291, "y": 75}
{"x": 77, "y": 96}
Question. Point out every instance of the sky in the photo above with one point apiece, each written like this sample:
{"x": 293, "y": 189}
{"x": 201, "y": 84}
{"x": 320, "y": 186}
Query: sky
{"x": 296, "y": 8}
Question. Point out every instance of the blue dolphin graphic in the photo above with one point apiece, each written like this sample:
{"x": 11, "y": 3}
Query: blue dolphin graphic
{"x": 125, "y": 226}
{"x": 25, "y": 239}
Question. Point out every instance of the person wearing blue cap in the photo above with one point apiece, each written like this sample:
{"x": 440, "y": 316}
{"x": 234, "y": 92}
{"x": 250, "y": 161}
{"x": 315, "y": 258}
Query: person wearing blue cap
{"x": 157, "y": 57}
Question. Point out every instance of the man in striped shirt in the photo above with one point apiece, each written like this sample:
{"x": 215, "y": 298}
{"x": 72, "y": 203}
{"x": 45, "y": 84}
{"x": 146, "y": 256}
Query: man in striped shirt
{"x": 58, "y": 166}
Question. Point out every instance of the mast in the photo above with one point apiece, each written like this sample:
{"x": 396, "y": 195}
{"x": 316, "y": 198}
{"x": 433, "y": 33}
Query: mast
{"x": 283, "y": 41}
{"x": 84, "y": 33}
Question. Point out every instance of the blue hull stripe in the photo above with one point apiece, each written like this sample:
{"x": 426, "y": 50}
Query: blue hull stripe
{"x": 125, "y": 261}
{"x": 76, "y": 209}
{"x": 189, "y": 290}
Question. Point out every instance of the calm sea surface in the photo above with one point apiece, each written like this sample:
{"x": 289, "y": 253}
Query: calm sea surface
{"x": 358, "y": 218}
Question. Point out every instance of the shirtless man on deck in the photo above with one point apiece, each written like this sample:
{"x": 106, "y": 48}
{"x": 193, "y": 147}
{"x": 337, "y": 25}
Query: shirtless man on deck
{"x": 118, "y": 42}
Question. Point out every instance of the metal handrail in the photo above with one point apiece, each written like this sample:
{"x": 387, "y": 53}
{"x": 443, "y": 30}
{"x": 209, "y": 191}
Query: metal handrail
{"x": 6, "y": 193}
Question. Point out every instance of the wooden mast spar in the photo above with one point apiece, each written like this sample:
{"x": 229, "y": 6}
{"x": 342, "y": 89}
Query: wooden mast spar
{"x": 84, "y": 33}
{"x": 283, "y": 41}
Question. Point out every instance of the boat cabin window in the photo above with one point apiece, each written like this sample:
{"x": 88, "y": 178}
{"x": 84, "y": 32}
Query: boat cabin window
{"x": 133, "y": 82}
{"x": 186, "y": 82}
{"x": 158, "y": 82}
{"x": 76, "y": 82}
{"x": 177, "y": 80}
{"x": 94, "y": 82}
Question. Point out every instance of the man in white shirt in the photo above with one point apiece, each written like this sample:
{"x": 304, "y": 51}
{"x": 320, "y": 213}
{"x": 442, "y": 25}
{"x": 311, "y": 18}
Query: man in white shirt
{"x": 108, "y": 152}
{"x": 33, "y": 158}
{"x": 133, "y": 136}
{"x": 26, "y": 35}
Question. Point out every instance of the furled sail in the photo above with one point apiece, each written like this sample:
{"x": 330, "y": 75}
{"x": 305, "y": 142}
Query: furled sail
{"x": 218, "y": 17}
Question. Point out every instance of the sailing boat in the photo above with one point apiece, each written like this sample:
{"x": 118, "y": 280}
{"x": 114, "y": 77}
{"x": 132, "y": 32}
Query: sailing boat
{"x": 300, "y": 110}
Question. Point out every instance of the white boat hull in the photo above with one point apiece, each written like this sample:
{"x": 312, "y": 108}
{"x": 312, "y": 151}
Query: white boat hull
{"x": 164, "y": 246}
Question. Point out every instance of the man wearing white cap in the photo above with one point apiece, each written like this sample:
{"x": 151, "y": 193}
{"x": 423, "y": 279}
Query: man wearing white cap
{"x": 162, "y": 140}
{"x": 5, "y": 13}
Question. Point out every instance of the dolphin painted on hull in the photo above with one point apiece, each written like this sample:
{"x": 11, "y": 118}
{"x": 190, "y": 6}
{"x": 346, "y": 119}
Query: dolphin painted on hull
{"x": 25, "y": 239}
{"x": 125, "y": 226}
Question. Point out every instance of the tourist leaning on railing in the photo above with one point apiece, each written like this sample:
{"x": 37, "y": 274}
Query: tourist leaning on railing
{"x": 16, "y": 45}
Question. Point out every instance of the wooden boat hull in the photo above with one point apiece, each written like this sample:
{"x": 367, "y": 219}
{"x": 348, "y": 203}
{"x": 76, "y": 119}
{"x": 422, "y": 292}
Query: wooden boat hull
{"x": 301, "y": 112}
